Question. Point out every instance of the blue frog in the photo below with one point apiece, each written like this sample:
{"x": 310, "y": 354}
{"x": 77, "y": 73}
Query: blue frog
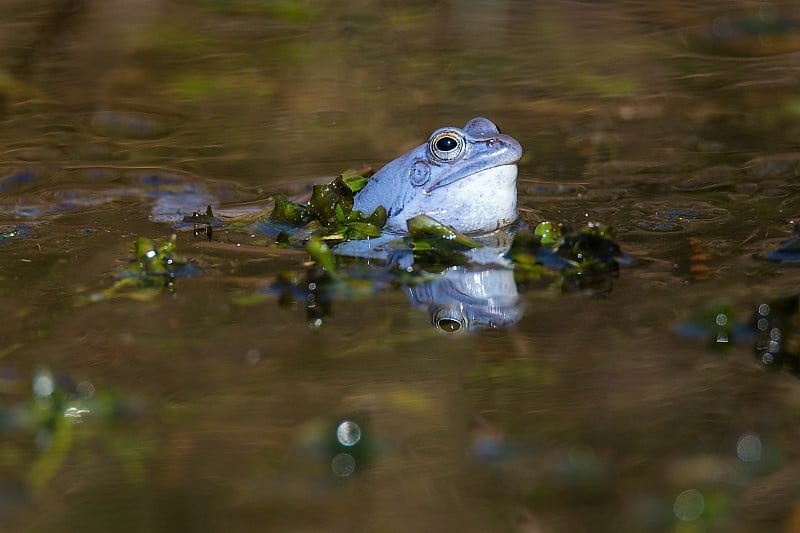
{"x": 464, "y": 178}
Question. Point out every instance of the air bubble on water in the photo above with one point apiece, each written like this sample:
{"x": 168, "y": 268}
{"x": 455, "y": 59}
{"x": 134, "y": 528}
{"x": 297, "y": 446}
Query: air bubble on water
{"x": 689, "y": 505}
{"x": 253, "y": 356}
{"x": 343, "y": 465}
{"x": 43, "y": 384}
{"x": 348, "y": 433}
{"x": 749, "y": 447}
{"x": 85, "y": 389}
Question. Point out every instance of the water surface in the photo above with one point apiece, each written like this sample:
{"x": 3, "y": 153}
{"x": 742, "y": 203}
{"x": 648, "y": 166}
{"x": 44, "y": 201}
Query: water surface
{"x": 676, "y": 124}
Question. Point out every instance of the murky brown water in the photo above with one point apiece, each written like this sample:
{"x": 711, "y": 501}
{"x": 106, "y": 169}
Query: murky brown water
{"x": 676, "y": 124}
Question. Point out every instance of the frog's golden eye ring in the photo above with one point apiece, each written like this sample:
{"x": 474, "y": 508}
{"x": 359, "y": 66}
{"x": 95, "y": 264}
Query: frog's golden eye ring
{"x": 446, "y": 145}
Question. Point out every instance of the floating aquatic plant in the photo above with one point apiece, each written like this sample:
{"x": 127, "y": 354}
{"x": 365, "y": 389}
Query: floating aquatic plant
{"x": 436, "y": 246}
{"x": 585, "y": 258}
{"x": 51, "y": 413}
{"x": 153, "y": 270}
{"x": 329, "y": 212}
{"x": 321, "y": 284}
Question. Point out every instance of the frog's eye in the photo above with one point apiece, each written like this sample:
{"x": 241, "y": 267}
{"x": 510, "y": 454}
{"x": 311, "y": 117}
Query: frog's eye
{"x": 446, "y": 145}
{"x": 448, "y": 320}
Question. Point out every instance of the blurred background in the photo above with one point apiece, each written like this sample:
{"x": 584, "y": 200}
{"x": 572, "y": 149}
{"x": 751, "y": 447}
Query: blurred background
{"x": 675, "y": 122}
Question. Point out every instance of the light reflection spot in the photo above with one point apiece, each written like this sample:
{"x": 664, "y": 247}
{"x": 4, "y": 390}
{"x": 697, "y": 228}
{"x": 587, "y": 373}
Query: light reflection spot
{"x": 749, "y": 448}
{"x": 763, "y": 309}
{"x": 43, "y": 385}
{"x": 348, "y": 433}
{"x": 75, "y": 412}
{"x": 253, "y": 356}
{"x": 689, "y": 505}
{"x": 721, "y": 319}
{"x": 343, "y": 465}
{"x": 85, "y": 389}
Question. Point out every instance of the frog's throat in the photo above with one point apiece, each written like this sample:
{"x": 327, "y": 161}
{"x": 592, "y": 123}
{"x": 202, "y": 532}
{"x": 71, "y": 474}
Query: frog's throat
{"x": 493, "y": 176}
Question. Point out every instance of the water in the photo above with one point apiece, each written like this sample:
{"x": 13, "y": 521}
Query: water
{"x": 676, "y": 124}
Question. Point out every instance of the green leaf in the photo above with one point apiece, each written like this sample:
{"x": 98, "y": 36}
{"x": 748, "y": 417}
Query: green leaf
{"x": 356, "y": 178}
{"x": 325, "y": 198}
{"x": 322, "y": 254}
{"x": 548, "y": 232}
{"x": 287, "y": 211}
{"x": 523, "y": 251}
{"x": 329, "y": 213}
{"x": 423, "y": 228}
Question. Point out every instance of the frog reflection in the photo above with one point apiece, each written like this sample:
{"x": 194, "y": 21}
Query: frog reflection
{"x": 462, "y": 291}
{"x": 462, "y": 299}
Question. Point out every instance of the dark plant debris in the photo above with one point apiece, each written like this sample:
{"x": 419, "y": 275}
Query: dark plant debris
{"x": 203, "y": 222}
{"x": 585, "y": 258}
{"x": 773, "y": 329}
{"x": 776, "y": 333}
{"x": 322, "y": 283}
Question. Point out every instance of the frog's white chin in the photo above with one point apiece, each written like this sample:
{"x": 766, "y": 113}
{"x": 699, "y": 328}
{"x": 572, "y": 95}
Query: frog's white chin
{"x": 483, "y": 201}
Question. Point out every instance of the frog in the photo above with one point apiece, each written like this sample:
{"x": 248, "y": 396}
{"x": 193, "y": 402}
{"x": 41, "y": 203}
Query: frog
{"x": 465, "y": 178}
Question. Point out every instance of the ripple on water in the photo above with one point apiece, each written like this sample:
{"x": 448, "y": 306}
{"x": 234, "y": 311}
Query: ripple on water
{"x": 543, "y": 188}
{"x": 672, "y": 217}
{"x": 33, "y": 154}
{"x": 95, "y": 174}
{"x": 25, "y": 206}
{"x": 620, "y": 167}
{"x": 168, "y": 194}
{"x": 130, "y": 124}
{"x": 22, "y": 231}
{"x": 774, "y": 166}
{"x": 148, "y": 181}
{"x": 16, "y": 180}
{"x": 713, "y": 177}
{"x": 99, "y": 150}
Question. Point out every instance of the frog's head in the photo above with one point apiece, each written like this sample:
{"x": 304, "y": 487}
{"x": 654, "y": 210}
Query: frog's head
{"x": 465, "y": 178}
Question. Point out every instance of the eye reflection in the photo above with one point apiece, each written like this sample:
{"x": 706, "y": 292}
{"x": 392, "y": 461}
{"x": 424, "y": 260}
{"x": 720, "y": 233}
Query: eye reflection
{"x": 448, "y": 320}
